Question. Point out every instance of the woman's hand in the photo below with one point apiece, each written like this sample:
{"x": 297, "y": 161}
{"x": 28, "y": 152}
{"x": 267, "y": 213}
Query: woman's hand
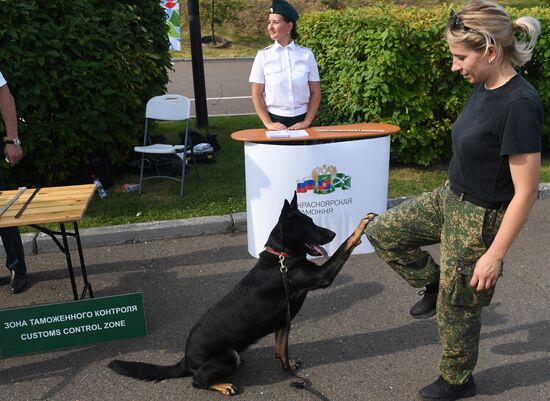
{"x": 299, "y": 125}
{"x": 261, "y": 109}
{"x": 525, "y": 171}
{"x": 275, "y": 126}
{"x": 486, "y": 273}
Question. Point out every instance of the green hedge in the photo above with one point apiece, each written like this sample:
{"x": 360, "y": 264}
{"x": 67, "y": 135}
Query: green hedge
{"x": 392, "y": 64}
{"x": 81, "y": 72}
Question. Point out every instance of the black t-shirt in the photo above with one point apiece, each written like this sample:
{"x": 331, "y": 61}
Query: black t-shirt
{"x": 494, "y": 124}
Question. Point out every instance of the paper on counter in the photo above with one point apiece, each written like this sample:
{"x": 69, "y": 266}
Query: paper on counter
{"x": 286, "y": 133}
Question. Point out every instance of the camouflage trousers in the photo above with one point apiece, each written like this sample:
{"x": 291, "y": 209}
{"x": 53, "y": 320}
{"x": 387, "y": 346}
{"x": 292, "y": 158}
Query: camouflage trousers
{"x": 464, "y": 232}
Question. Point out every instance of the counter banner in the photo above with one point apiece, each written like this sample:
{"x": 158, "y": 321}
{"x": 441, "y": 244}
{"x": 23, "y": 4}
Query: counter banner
{"x": 337, "y": 184}
{"x": 172, "y": 8}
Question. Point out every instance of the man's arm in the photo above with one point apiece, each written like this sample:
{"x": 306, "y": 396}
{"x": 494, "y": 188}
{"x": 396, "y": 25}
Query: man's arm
{"x": 9, "y": 115}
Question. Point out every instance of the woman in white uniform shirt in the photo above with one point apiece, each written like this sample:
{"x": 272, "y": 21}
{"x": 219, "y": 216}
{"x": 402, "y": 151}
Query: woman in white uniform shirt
{"x": 286, "y": 89}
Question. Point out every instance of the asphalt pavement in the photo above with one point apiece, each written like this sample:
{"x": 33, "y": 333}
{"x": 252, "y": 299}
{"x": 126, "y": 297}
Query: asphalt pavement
{"x": 355, "y": 339}
{"x": 226, "y": 84}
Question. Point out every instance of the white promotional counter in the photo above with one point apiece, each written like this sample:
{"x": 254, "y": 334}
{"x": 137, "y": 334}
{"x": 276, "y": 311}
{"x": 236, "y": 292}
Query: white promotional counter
{"x": 339, "y": 172}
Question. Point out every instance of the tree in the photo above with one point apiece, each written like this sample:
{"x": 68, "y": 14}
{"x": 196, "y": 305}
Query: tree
{"x": 81, "y": 73}
{"x": 217, "y": 12}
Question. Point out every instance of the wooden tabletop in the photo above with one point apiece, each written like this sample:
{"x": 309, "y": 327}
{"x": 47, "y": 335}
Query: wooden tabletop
{"x": 348, "y": 131}
{"x": 50, "y": 205}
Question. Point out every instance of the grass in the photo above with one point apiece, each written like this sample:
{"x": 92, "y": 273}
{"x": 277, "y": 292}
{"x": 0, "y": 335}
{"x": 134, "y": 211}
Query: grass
{"x": 221, "y": 189}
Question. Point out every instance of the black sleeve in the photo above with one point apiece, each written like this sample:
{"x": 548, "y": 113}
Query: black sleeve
{"x": 522, "y": 128}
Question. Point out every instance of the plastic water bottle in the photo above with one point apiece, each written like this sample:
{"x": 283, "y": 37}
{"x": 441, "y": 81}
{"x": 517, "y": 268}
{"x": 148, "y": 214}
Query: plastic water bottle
{"x": 130, "y": 187}
{"x": 100, "y": 190}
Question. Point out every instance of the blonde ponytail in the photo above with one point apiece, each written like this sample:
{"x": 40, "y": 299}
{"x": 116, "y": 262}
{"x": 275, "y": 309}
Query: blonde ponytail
{"x": 523, "y": 50}
{"x": 483, "y": 22}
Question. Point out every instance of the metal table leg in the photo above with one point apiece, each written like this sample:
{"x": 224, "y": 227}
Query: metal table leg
{"x": 64, "y": 247}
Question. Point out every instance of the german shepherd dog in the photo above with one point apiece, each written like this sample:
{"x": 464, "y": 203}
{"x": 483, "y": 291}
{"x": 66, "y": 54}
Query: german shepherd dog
{"x": 256, "y": 306}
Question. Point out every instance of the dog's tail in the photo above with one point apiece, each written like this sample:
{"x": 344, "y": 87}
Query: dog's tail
{"x": 149, "y": 371}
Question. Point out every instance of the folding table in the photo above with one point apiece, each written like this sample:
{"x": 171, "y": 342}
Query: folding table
{"x": 61, "y": 205}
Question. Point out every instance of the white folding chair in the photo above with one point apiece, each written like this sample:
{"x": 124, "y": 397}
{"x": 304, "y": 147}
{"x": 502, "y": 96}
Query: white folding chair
{"x": 167, "y": 108}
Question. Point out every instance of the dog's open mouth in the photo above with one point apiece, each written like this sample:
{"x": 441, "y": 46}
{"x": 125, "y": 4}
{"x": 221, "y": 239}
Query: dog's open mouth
{"x": 316, "y": 250}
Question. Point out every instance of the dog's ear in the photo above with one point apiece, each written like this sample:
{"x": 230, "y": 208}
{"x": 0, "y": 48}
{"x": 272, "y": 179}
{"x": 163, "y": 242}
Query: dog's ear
{"x": 275, "y": 239}
{"x": 294, "y": 203}
{"x": 286, "y": 206}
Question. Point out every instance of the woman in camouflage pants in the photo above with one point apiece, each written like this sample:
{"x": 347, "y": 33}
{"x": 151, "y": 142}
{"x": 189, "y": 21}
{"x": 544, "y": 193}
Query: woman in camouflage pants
{"x": 477, "y": 214}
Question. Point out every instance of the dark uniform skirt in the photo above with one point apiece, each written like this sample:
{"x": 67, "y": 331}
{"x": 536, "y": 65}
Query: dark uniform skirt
{"x": 288, "y": 121}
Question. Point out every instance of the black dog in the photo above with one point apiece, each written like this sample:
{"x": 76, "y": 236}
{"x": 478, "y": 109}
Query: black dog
{"x": 256, "y": 306}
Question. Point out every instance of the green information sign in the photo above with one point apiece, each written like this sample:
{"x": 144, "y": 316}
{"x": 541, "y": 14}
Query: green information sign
{"x": 71, "y": 324}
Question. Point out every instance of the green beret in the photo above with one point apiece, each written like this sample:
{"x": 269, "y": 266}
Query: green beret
{"x": 283, "y": 7}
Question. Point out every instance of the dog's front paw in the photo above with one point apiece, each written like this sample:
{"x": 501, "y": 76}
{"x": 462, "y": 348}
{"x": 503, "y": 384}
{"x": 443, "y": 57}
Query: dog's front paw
{"x": 224, "y": 388}
{"x": 294, "y": 364}
{"x": 366, "y": 220}
{"x": 356, "y": 236}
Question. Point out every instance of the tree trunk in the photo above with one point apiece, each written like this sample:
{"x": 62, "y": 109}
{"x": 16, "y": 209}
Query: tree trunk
{"x": 212, "y": 22}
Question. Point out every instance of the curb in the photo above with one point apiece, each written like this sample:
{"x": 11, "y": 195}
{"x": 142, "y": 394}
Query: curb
{"x": 213, "y": 59}
{"x": 40, "y": 243}
{"x": 544, "y": 191}
{"x": 141, "y": 232}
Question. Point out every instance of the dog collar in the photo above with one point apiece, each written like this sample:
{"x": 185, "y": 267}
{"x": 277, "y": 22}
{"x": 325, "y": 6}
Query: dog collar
{"x": 277, "y": 253}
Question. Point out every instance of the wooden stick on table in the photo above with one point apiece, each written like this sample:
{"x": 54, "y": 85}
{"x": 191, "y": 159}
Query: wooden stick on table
{"x": 20, "y": 212}
{"x": 13, "y": 199}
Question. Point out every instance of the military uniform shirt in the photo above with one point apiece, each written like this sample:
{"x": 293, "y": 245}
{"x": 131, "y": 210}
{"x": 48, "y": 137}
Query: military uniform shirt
{"x": 286, "y": 72}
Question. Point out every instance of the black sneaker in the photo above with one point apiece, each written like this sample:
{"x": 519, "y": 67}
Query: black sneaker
{"x": 18, "y": 282}
{"x": 425, "y": 308}
{"x": 441, "y": 390}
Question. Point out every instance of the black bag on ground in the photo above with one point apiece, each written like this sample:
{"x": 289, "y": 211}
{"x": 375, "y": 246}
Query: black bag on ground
{"x": 195, "y": 138}
{"x": 212, "y": 139}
